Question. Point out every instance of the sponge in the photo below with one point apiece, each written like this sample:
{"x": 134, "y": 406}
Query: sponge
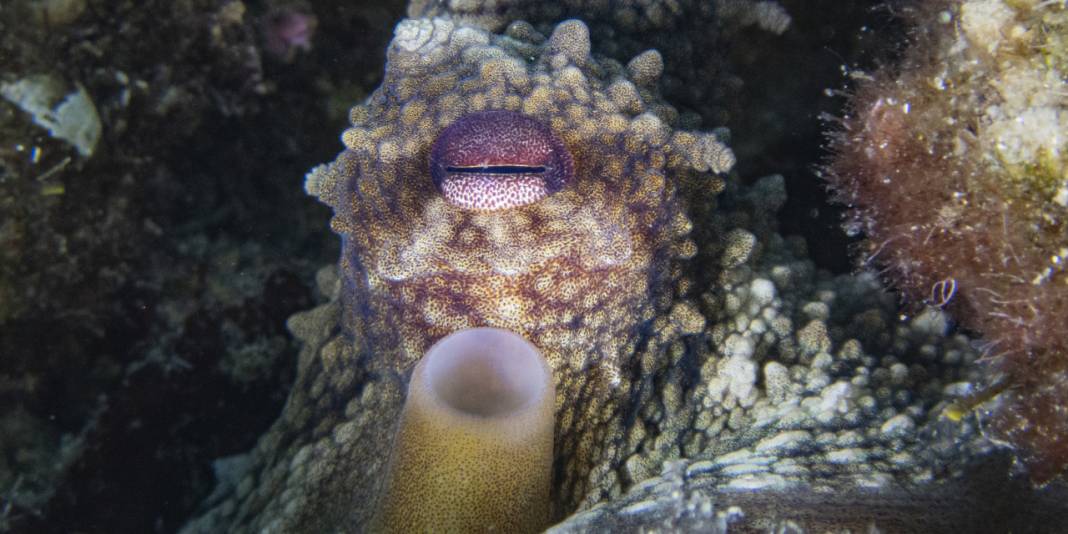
{"x": 474, "y": 448}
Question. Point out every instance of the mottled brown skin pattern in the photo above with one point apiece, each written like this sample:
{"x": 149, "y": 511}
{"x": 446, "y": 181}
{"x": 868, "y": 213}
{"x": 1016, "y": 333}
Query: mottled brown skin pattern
{"x": 581, "y": 273}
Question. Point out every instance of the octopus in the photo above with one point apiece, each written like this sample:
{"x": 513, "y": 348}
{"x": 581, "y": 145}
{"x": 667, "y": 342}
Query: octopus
{"x": 706, "y": 374}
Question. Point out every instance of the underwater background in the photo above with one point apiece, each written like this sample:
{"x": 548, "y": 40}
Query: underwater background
{"x": 156, "y": 236}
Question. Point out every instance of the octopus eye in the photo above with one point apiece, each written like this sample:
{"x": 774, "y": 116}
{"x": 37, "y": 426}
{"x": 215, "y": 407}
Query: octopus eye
{"x": 493, "y": 160}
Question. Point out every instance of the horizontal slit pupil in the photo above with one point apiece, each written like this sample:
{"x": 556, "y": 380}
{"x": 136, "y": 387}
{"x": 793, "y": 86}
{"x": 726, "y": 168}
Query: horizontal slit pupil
{"x": 497, "y": 169}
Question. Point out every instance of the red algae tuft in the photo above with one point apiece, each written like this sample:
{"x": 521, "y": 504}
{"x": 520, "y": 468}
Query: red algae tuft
{"x": 953, "y": 164}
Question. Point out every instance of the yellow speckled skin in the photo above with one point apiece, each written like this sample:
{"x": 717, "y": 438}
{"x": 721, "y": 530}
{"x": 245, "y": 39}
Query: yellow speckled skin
{"x": 581, "y": 273}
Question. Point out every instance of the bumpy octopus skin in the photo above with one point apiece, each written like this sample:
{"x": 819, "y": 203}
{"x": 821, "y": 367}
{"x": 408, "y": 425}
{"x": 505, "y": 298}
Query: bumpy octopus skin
{"x": 581, "y": 273}
{"x": 576, "y": 272}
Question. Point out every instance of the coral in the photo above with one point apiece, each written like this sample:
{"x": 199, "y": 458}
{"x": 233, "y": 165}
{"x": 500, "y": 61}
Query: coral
{"x": 474, "y": 447}
{"x": 767, "y": 15}
{"x": 954, "y": 165}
